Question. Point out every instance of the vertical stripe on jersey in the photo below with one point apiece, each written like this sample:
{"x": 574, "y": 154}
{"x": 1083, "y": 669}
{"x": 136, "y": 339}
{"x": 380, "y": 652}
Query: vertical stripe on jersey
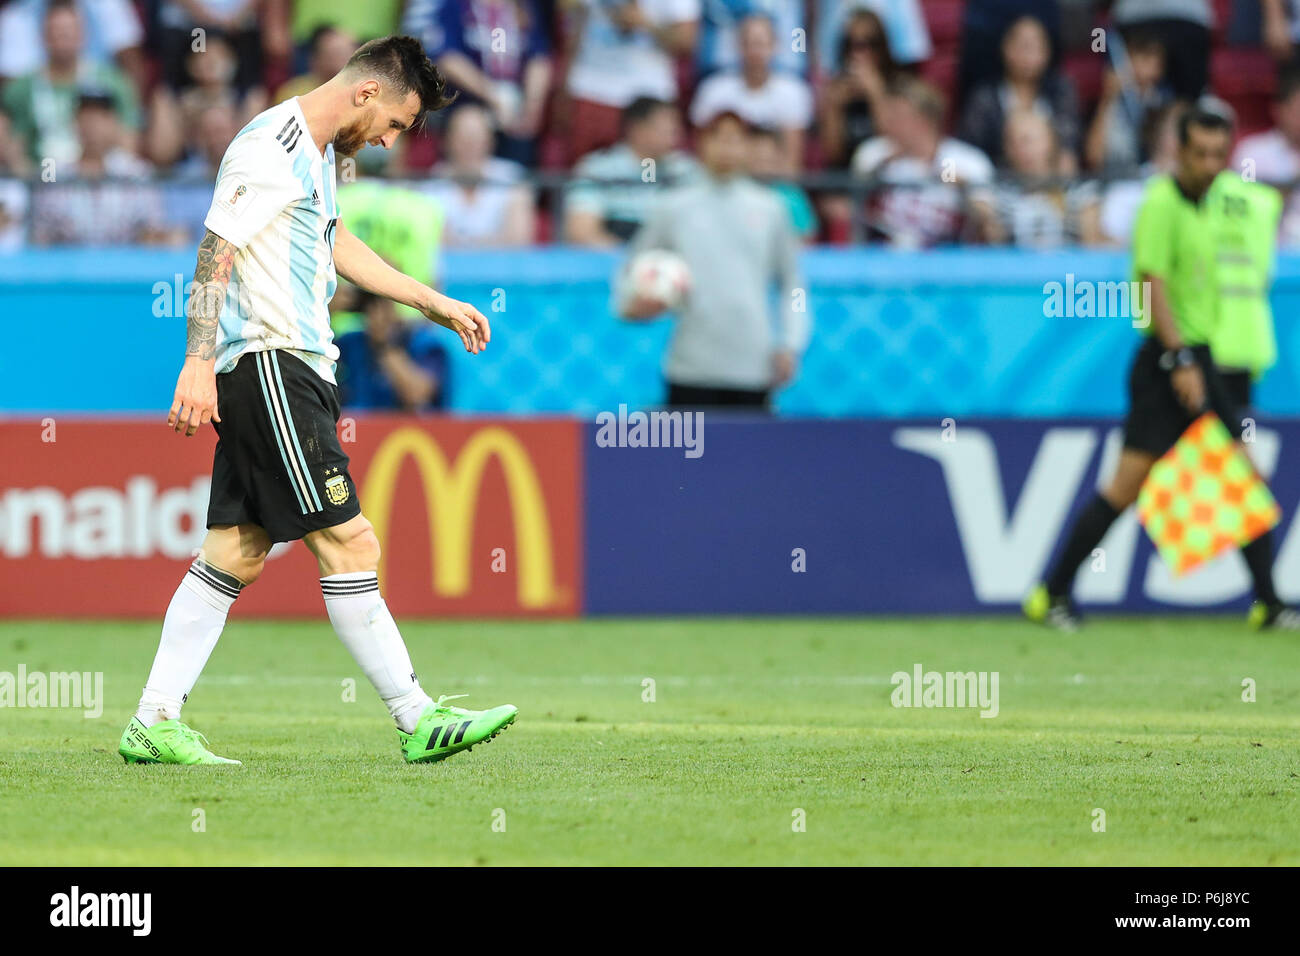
{"x": 233, "y": 321}
{"x": 293, "y": 432}
{"x": 306, "y": 231}
{"x": 278, "y": 432}
{"x": 329, "y": 210}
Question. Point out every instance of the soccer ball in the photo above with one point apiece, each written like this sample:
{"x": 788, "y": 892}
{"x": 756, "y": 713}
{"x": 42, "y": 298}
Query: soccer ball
{"x": 660, "y": 275}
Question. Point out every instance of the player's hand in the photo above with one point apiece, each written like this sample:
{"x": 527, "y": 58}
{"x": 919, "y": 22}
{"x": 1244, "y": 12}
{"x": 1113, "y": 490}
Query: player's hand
{"x": 641, "y": 308}
{"x": 463, "y": 319}
{"x": 195, "y": 402}
{"x": 1189, "y": 386}
{"x": 783, "y": 365}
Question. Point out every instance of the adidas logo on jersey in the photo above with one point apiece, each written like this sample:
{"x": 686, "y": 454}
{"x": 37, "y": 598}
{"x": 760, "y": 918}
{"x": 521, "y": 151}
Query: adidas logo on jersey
{"x": 315, "y": 197}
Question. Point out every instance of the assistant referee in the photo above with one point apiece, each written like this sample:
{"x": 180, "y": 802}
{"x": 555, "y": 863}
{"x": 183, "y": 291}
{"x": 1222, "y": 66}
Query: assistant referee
{"x": 1173, "y": 378}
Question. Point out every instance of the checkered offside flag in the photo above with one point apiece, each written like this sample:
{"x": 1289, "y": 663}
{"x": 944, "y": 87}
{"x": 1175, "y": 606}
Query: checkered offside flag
{"x": 1204, "y": 497}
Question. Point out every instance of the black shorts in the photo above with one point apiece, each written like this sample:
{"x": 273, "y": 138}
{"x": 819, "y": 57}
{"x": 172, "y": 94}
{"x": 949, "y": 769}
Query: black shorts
{"x": 1239, "y": 384}
{"x": 278, "y": 462}
{"x": 1156, "y": 418}
{"x": 694, "y": 396}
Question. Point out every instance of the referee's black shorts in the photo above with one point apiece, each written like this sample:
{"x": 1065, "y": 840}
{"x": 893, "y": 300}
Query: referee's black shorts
{"x": 278, "y": 461}
{"x": 1156, "y": 418}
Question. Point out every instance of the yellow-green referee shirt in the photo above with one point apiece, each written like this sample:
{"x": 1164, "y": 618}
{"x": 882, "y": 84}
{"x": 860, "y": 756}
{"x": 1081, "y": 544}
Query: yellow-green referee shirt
{"x": 1174, "y": 240}
{"x": 1246, "y": 220}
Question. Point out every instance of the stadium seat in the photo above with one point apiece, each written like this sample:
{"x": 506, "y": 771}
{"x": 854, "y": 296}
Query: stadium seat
{"x": 592, "y": 126}
{"x": 545, "y": 231}
{"x": 1246, "y": 79}
{"x": 944, "y": 19}
{"x": 421, "y": 150}
{"x": 1085, "y": 70}
{"x": 1241, "y": 72}
{"x": 553, "y": 151}
{"x": 1222, "y": 19}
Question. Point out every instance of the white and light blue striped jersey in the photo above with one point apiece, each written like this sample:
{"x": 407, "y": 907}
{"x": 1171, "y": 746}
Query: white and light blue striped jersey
{"x": 276, "y": 201}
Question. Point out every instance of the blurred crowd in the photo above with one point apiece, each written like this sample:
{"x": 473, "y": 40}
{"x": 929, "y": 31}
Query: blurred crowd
{"x": 916, "y": 123}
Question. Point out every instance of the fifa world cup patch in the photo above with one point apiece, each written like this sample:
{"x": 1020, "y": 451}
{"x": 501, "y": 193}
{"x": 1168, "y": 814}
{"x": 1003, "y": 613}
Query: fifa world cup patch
{"x": 336, "y": 489}
{"x": 235, "y": 197}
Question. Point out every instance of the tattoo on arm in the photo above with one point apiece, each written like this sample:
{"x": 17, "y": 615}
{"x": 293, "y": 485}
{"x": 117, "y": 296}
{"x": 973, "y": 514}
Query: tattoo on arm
{"x": 211, "y": 276}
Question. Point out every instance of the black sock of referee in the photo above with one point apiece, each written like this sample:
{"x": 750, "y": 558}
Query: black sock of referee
{"x": 1086, "y": 534}
{"x": 1259, "y": 558}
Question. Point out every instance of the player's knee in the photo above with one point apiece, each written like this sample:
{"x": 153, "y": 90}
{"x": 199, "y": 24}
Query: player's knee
{"x": 364, "y": 549}
{"x": 246, "y": 567}
{"x": 250, "y": 569}
{"x": 358, "y": 551}
{"x": 242, "y": 554}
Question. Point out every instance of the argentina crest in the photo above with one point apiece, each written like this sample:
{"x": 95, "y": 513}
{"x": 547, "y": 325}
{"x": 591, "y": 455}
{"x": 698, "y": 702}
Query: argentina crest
{"x": 336, "y": 487}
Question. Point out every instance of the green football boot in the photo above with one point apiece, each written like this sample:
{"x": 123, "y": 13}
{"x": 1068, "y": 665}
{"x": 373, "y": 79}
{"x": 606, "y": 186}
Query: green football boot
{"x": 1273, "y": 617}
{"x": 1058, "y": 613}
{"x": 443, "y": 731}
{"x": 168, "y": 741}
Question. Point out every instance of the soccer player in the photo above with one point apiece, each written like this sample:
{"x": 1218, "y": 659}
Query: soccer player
{"x": 1173, "y": 377}
{"x": 259, "y": 365}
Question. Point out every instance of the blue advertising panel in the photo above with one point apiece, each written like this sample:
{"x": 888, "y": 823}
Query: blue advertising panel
{"x": 835, "y": 517}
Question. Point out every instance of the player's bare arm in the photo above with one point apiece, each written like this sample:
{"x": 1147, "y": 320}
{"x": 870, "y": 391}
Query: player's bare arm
{"x": 1187, "y": 380}
{"x": 195, "y": 401}
{"x": 363, "y": 267}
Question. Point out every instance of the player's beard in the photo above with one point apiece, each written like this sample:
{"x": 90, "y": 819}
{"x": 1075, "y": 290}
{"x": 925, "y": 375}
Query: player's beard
{"x": 349, "y": 140}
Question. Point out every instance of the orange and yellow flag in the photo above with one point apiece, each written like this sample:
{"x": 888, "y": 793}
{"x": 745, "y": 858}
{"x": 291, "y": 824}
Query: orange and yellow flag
{"x": 1204, "y": 497}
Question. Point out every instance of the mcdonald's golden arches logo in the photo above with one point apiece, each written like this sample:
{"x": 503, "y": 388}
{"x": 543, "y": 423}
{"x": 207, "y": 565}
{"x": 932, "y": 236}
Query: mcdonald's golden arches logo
{"x": 451, "y": 493}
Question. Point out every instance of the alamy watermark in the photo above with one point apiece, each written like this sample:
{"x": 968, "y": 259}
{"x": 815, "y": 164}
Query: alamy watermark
{"x": 73, "y": 689}
{"x": 1084, "y": 299}
{"x": 651, "y": 430}
{"x": 128, "y": 910}
{"x": 922, "y": 688}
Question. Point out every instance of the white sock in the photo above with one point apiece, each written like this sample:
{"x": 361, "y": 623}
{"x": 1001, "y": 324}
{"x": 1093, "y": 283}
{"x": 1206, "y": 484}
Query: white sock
{"x": 361, "y": 620}
{"x": 190, "y": 631}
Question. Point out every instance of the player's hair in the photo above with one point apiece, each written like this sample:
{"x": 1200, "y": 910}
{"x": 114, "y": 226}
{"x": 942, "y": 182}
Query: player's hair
{"x": 400, "y": 62}
{"x": 54, "y": 6}
{"x": 1202, "y": 118}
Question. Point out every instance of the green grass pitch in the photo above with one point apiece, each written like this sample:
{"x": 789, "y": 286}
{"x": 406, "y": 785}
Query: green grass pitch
{"x": 752, "y": 721}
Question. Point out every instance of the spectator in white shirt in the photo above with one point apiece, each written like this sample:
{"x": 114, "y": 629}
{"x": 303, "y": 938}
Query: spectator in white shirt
{"x": 1273, "y": 156}
{"x": 112, "y": 35}
{"x": 759, "y": 94}
{"x": 106, "y": 200}
{"x": 625, "y": 49}
{"x": 1033, "y": 209}
{"x": 13, "y": 192}
{"x": 929, "y": 180}
{"x": 613, "y": 188}
{"x": 1122, "y": 198}
{"x": 485, "y": 202}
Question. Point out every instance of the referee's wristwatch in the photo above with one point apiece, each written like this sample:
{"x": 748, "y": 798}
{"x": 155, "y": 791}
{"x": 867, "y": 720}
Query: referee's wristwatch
{"x": 1171, "y": 359}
